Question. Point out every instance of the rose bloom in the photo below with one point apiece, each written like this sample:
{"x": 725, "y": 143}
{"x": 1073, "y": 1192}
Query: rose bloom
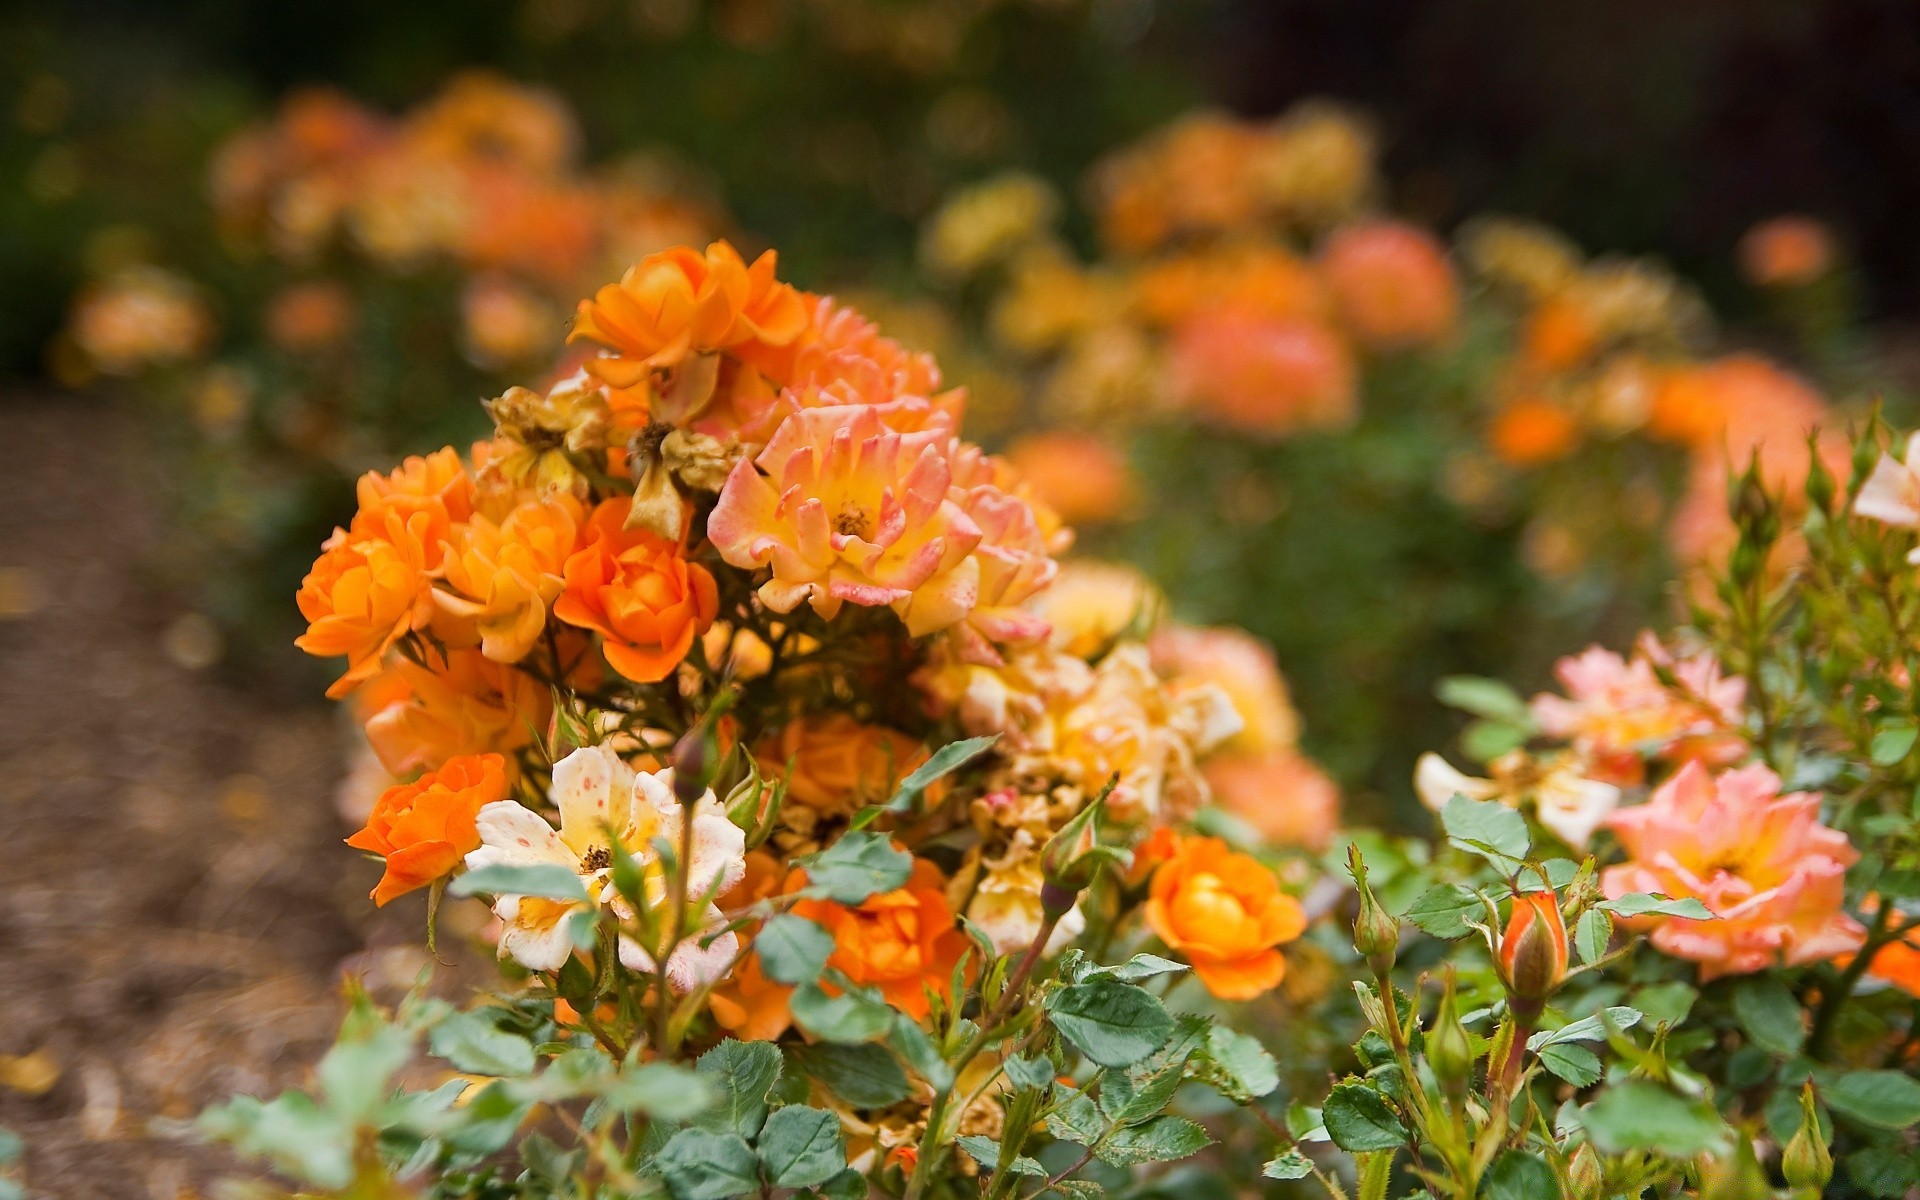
{"x": 1082, "y": 477}
{"x": 1790, "y": 251}
{"x": 1734, "y": 405}
{"x": 904, "y": 942}
{"x": 639, "y": 593}
{"x": 425, "y": 828}
{"x": 1262, "y": 377}
{"x": 1569, "y": 804}
{"x": 1617, "y": 712}
{"x": 1529, "y": 431}
{"x": 1760, "y": 860}
{"x": 849, "y": 510}
{"x": 1392, "y": 283}
{"x": 364, "y": 594}
{"x": 1243, "y": 667}
{"x": 309, "y": 317}
{"x": 1091, "y": 604}
{"x": 141, "y": 317}
{"x": 1282, "y": 794}
{"x": 839, "y": 764}
{"x": 504, "y": 322}
{"x": 501, "y": 577}
{"x": 419, "y": 717}
{"x": 1892, "y": 493}
{"x": 1224, "y": 912}
{"x": 682, "y": 302}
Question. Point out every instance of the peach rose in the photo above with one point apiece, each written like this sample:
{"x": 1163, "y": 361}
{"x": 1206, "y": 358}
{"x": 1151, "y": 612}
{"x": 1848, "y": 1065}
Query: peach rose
{"x": 466, "y": 704}
{"x": 1281, "y": 793}
{"x": 502, "y": 577}
{"x": 1392, "y": 284}
{"x": 305, "y": 318}
{"x": 681, "y": 302}
{"x": 1225, "y": 913}
{"x": 1083, "y": 477}
{"x": 1760, "y": 860}
{"x": 639, "y": 593}
{"x": 904, "y": 942}
{"x": 425, "y": 828}
{"x": 1262, "y": 376}
{"x": 1617, "y": 712}
{"x": 849, "y": 510}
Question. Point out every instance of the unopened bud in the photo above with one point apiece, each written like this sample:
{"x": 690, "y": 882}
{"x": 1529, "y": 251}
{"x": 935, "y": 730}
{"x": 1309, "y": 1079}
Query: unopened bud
{"x": 1819, "y": 486}
{"x": 1449, "y": 1049}
{"x": 1807, "y": 1162}
{"x": 1533, "y": 950}
{"x": 692, "y": 762}
{"x": 1376, "y": 935}
{"x": 1586, "y": 1175}
{"x": 1073, "y": 856}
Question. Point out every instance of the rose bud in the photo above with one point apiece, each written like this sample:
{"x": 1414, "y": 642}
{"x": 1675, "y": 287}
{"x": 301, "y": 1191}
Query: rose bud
{"x": 1533, "y": 950}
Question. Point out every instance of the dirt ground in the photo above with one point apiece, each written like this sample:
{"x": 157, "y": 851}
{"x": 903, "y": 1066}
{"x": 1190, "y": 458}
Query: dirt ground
{"x": 176, "y": 908}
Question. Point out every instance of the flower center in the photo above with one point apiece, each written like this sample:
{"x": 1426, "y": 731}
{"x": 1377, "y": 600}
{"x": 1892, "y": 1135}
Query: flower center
{"x": 597, "y": 858}
{"x": 853, "y": 521}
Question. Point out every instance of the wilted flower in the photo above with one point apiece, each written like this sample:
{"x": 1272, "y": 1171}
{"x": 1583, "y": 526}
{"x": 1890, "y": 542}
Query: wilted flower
{"x": 1760, "y": 860}
{"x": 1244, "y": 668}
{"x": 425, "y": 828}
{"x": 1007, "y": 906}
{"x": 537, "y": 435}
{"x": 1225, "y": 913}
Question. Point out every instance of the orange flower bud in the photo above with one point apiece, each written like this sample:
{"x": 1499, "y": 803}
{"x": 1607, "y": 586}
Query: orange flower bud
{"x": 424, "y": 828}
{"x": 1533, "y": 950}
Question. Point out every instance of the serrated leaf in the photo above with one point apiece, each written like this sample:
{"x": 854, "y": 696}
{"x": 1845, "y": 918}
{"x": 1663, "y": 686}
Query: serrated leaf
{"x": 792, "y": 950}
{"x": 986, "y": 1152}
{"x": 1442, "y": 911}
{"x": 1291, "y": 1165}
{"x": 1129, "y": 1097}
{"x": 1140, "y": 966}
{"x": 801, "y": 1146}
{"x": 474, "y": 1044}
{"x": 1162, "y": 1139}
{"x": 1358, "y": 1119}
{"x": 699, "y": 1164}
{"x": 1237, "y": 1065}
{"x": 1769, "y": 1014}
{"x": 865, "y": 1076}
{"x": 852, "y": 1016}
{"x": 1586, "y": 1029}
{"x": 743, "y": 1072}
{"x": 1112, "y": 1023}
{"x": 856, "y": 867}
{"x": 1572, "y": 1062}
{"x": 1076, "y": 1118}
{"x": 1882, "y": 1099}
{"x": 943, "y": 762}
{"x": 547, "y": 881}
{"x": 1487, "y": 828}
{"x": 1639, "y": 1114}
{"x": 1592, "y": 934}
{"x": 1643, "y": 904}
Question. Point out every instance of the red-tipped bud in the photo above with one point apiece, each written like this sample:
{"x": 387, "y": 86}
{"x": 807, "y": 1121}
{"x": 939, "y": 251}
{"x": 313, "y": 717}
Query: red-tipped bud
{"x": 1533, "y": 950}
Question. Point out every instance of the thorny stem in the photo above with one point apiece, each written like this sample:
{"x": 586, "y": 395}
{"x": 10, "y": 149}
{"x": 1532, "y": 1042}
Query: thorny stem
{"x": 1009, "y": 996}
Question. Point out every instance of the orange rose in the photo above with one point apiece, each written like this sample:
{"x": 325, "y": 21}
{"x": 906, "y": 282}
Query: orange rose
{"x": 467, "y": 704}
{"x": 363, "y": 594}
{"x": 639, "y": 593}
{"x": 904, "y": 942}
{"x": 502, "y": 577}
{"x": 1529, "y": 431}
{"x": 839, "y": 764}
{"x": 424, "y": 828}
{"x": 681, "y": 302}
{"x": 1392, "y": 283}
{"x": 1225, "y": 913}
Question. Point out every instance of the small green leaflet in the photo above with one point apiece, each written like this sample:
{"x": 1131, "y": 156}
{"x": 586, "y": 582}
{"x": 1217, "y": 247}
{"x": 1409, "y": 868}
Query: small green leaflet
{"x": 1770, "y": 1015}
{"x": 849, "y": 1017}
{"x": 986, "y": 1152}
{"x": 698, "y": 1164}
{"x": 1359, "y": 1119}
{"x": 1586, "y": 1029}
{"x": 548, "y": 881}
{"x": 1489, "y": 698}
{"x": 792, "y": 950}
{"x": 801, "y": 1147}
{"x": 1443, "y": 911}
{"x": 1291, "y": 1165}
{"x": 857, "y": 866}
{"x": 1487, "y": 828}
{"x": 1592, "y": 935}
{"x": 1643, "y": 904}
{"x": 1112, "y": 1023}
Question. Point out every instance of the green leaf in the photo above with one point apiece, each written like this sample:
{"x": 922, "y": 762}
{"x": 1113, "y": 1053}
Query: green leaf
{"x": 857, "y": 866}
{"x": 1518, "y": 1175}
{"x": 917, "y": 1050}
{"x": 1892, "y": 742}
{"x": 1130, "y": 1097}
{"x": 1237, "y": 1065}
{"x": 1771, "y": 1017}
{"x": 1291, "y": 1165}
{"x": 1882, "y": 1099}
{"x": 1162, "y": 1139}
{"x": 1076, "y": 1118}
{"x": 1884, "y": 1171}
{"x": 474, "y": 1044}
{"x": 1485, "y": 741}
{"x": 744, "y": 1072}
{"x": 1442, "y": 911}
{"x": 1592, "y": 935}
{"x": 857, "y": 1015}
{"x": 1359, "y": 1119}
{"x": 1642, "y": 904}
{"x": 1665, "y": 1003}
{"x": 699, "y": 1164}
{"x": 865, "y": 1076}
{"x": 1110, "y": 1022}
{"x": 944, "y": 761}
{"x": 1586, "y": 1029}
{"x": 548, "y": 881}
{"x": 792, "y": 949}
{"x": 1639, "y": 1114}
{"x": 301, "y": 1139}
{"x": 1483, "y": 697}
{"x": 1487, "y": 828}
{"x": 662, "y": 1090}
{"x": 1140, "y": 966}
{"x": 801, "y": 1146}
{"x": 986, "y": 1152}
{"x": 1574, "y": 1063}
{"x": 1037, "y": 1072}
